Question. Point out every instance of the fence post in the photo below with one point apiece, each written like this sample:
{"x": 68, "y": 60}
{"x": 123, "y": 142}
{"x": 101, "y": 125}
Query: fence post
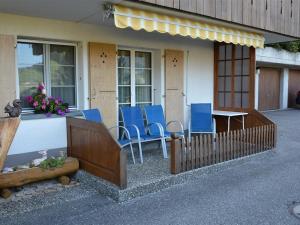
{"x": 175, "y": 154}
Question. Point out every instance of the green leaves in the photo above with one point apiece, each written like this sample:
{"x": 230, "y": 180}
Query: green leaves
{"x": 52, "y": 162}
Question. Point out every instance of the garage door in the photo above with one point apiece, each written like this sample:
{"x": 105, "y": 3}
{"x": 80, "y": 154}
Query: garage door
{"x": 269, "y": 89}
{"x": 294, "y": 87}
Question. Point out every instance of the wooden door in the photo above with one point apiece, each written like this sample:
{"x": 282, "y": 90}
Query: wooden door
{"x": 269, "y": 89}
{"x": 7, "y": 71}
{"x": 174, "y": 101}
{"x": 294, "y": 87}
{"x": 102, "y": 66}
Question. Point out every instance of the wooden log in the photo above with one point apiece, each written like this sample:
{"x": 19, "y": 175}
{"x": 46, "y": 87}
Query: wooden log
{"x": 26, "y": 176}
{"x": 8, "y": 129}
{"x": 5, "y": 193}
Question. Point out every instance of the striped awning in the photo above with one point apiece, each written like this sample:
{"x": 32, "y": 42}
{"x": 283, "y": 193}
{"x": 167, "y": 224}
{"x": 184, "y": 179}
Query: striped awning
{"x": 140, "y": 19}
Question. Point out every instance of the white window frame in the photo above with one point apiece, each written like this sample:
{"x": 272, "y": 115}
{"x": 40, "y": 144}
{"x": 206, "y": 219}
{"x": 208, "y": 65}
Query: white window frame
{"x": 46, "y": 49}
{"x": 132, "y": 73}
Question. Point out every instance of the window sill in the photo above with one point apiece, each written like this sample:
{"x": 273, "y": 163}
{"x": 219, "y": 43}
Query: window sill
{"x": 33, "y": 116}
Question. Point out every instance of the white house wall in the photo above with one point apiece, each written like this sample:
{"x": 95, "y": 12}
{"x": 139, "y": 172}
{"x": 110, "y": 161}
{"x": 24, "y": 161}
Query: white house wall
{"x": 198, "y": 69}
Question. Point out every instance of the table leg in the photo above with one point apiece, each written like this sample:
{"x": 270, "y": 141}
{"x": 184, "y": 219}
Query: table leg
{"x": 228, "y": 124}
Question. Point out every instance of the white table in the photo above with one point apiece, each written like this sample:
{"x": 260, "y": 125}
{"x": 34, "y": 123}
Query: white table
{"x": 230, "y": 114}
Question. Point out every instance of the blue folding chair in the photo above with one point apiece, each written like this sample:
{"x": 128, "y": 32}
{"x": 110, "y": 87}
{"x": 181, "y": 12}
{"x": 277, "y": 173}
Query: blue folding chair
{"x": 201, "y": 120}
{"x": 94, "y": 115}
{"x": 134, "y": 122}
{"x": 155, "y": 114}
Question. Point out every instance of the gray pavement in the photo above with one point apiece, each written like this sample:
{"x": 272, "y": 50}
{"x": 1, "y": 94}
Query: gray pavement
{"x": 257, "y": 192}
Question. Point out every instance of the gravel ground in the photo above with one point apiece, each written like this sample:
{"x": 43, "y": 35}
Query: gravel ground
{"x": 257, "y": 192}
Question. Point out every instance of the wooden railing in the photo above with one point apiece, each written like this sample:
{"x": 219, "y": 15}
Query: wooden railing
{"x": 97, "y": 151}
{"x": 203, "y": 150}
{"x": 281, "y": 16}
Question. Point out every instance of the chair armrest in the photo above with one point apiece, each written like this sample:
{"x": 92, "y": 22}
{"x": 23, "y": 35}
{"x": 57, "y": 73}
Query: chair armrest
{"x": 159, "y": 126}
{"x": 136, "y": 129}
{"x": 122, "y": 127}
{"x": 177, "y": 122}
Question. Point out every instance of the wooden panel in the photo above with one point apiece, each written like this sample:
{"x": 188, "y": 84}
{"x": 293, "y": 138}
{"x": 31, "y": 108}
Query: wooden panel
{"x": 102, "y": 65}
{"x": 281, "y": 16}
{"x": 294, "y": 87}
{"x": 174, "y": 80}
{"x": 237, "y": 11}
{"x": 269, "y": 89}
{"x": 7, "y": 71}
{"x": 210, "y": 8}
{"x": 8, "y": 129}
{"x": 97, "y": 151}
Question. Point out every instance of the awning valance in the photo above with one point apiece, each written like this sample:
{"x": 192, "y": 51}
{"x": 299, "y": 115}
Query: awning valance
{"x": 139, "y": 19}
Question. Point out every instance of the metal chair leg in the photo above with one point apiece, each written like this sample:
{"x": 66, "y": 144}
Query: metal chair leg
{"x": 132, "y": 154}
{"x": 164, "y": 148}
{"x": 141, "y": 153}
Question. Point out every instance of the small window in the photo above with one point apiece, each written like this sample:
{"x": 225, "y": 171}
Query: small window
{"x": 52, "y": 64}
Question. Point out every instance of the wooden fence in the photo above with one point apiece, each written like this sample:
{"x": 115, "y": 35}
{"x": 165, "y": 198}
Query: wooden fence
{"x": 204, "y": 150}
{"x": 97, "y": 151}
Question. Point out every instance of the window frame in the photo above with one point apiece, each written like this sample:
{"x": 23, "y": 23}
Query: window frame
{"x": 133, "y": 77}
{"x": 47, "y": 77}
{"x": 251, "y": 87}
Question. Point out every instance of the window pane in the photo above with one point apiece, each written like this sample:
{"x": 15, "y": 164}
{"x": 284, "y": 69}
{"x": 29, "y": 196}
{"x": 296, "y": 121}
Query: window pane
{"x": 143, "y": 77}
{"x": 221, "y": 84}
{"x": 237, "y": 83}
{"x": 221, "y": 99}
{"x": 221, "y": 68}
{"x": 62, "y": 75}
{"x": 143, "y": 94}
{"x": 30, "y": 53}
{"x": 238, "y": 67}
{"x": 237, "y": 100}
{"x": 30, "y": 69}
{"x": 62, "y": 55}
{"x": 123, "y": 58}
{"x": 245, "y": 100}
{"x": 142, "y": 60}
{"x": 123, "y": 76}
{"x": 62, "y": 72}
{"x": 124, "y": 95}
{"x": 238, "y": 52}
{"x": 246, "y": 67}
{"x": 228, "y": 68}
{"x": 228, "y": 84}
{"x": 245, "y": 83}
{"x": 246, "y": 52}
{"x": 222, "y": 52}
{"x": 67, "y": 94}
{"x": 227, "y": 99}
{"x": 229, "y": 51}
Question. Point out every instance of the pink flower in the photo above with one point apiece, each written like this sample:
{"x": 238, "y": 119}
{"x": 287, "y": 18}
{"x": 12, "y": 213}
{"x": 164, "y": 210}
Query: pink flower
{"x": 35, "y": 104}
{"x": 56, "y": 102}
{"x": 29, "y": 99}
{"x": 43, "y": 107}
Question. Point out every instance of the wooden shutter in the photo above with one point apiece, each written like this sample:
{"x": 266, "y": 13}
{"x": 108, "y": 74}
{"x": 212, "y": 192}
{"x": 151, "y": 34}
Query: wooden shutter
{"x": 102, "y": 65}
{"x": 7, "y": 71}
{"x": 174, "y": 85}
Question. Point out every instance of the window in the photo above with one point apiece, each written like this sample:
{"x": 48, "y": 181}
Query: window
{"x": 234, "y": 76}
{"x": 134, "y": 78}
{"x": 53, "y": 64}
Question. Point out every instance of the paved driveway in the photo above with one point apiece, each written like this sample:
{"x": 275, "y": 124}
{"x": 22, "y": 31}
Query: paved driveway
{"x": 257, "y": 192}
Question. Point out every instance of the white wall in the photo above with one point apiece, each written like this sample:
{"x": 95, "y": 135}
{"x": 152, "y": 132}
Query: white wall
{"x": 198, "y": 67}
{"x": 40, "y": 134}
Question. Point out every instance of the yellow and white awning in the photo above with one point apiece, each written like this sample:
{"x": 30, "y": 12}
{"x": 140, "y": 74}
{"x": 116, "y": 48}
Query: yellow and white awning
{"x": 139, "y": 19}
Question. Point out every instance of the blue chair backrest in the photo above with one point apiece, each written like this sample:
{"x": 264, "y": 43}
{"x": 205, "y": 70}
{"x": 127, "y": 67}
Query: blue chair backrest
{"x": 155, "y": 114}
{"x": 201, "y": 117}
{"x": 93, "y": 115}
{"x": 133, "y": 115}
